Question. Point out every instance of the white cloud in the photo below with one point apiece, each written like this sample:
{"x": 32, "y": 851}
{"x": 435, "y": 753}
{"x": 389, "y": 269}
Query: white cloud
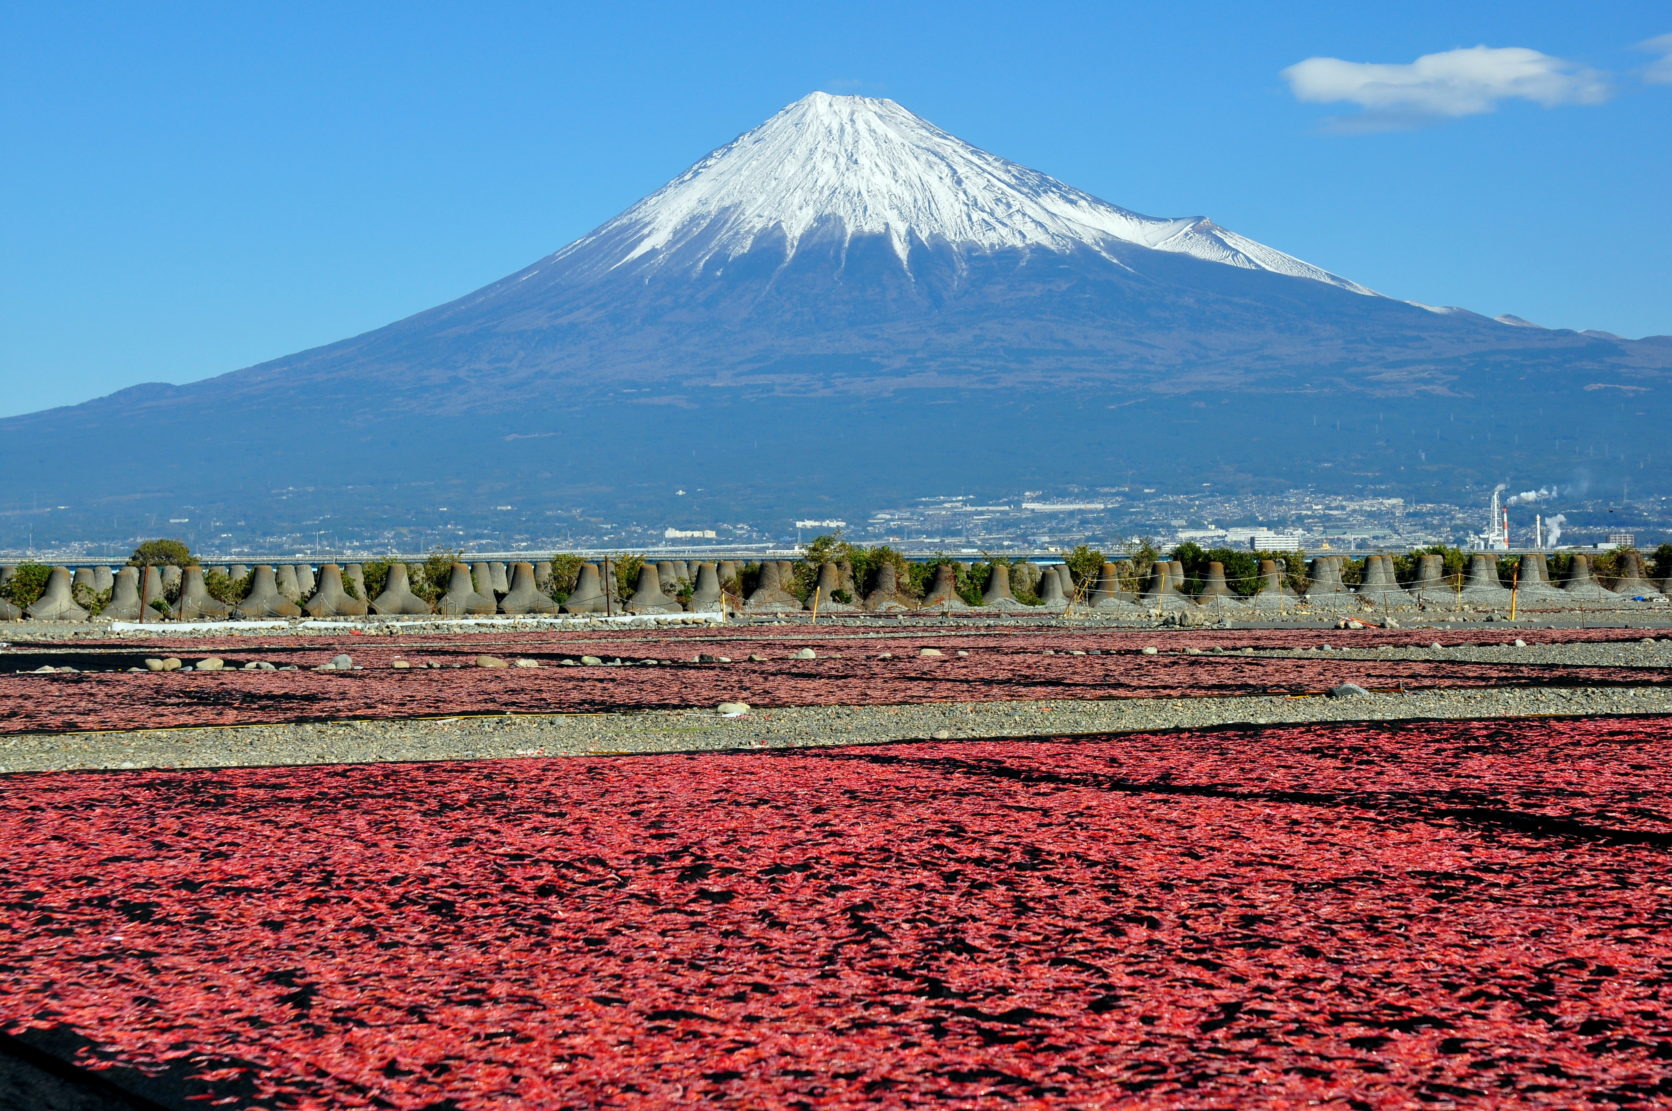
{"x": 1660, "y": 70}
{"x": 1453, "y": 83}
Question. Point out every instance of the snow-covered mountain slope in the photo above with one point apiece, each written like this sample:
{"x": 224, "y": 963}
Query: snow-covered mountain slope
{"x": 843, "y": 308}
{"x": 849, "y": 166}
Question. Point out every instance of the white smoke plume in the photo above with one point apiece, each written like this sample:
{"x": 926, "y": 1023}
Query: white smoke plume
{"x": 1500, "y": 488}
{"x": 1528, "y": 497}
{"x": 1553, "y": 529}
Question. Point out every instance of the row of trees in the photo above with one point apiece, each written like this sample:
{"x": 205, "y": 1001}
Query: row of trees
{"x": 1135, "y": 559}
{"x": 1242, "y": 568}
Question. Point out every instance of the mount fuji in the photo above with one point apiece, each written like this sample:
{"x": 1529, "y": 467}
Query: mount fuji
{"x": 843, "y": 306}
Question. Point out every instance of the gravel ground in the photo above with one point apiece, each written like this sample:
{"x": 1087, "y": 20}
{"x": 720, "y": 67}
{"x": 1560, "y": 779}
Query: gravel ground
{"x": 1624, "y": 614}
{"x": 1657, "y": 653}
{"x": 465, "y": 735}
{"x": 498, "y": 736}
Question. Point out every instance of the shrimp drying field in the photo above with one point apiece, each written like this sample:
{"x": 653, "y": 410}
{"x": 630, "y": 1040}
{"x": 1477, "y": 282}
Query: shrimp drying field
{"x": 1356, "y": 914}
{"x": 677, "y": 669}
{"x": 1442, "y": 914}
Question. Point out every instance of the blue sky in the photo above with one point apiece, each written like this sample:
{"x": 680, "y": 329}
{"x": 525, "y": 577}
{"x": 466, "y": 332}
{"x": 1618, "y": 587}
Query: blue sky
{"x": 193, "y": 188}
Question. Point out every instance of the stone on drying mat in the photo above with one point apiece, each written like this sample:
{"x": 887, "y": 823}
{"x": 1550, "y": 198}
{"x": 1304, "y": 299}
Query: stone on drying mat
{"x": 399, "y": 665}
{"x": 213, "y": 663}
{"x": 490, "y": 661}
{"x": 806, "y": 654}
{"x": 941, "y": 734}
{"x": 928, "y": 652}
{"x": 45, "y": 669}
{"x": 885, "y": 655}
{"x": 1192, "y": 651}
{"x": 961, "y": 652}
{"x": 756, "y": 658}
{"x": 342, "y": 661}
{"x": 731, "y": 709}
{"x": 1347, "y": 690}
{"x": 1519, "y": 643}
{"x": 591, "y": 661}
{"x": 1436, "y": 645}
{"x": 1150, "y": 650}
{"x": 526, "y": 662}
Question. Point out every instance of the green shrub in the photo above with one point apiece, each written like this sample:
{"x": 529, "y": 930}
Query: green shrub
{"x": 93, "y": 601}
{"x": 1607, "y": 567}
{"x": 1293, "y": 564}
{"x": 566, "y": 571}
{"x": 683, "y": 590}
{"x": 867, "y": 562}
{"x": 828, "y": 548}
{"x": 1456, "y": 562}
{"x": 972, "y": 580}
{"x": 156, "y": 553}
{"x": 863, "y": 563}
{"x": 1195, "y": 561}
{"x": 1242, "y": 568}
{"x": 626, "y": 569}
{"x": 27, "y": 584}
{"x": 921, "y": 573}
{"x": 1086, "y": 563}
{"x": 376, "y": 575}
{"x": 430, "y": 581}
{"x": 968, "y": 582}
{"x": 224, "y": 588}
{"x": 1663, "y": 562}
{"x": 1024, "y": 581}
{"x": 1141, "y": 555}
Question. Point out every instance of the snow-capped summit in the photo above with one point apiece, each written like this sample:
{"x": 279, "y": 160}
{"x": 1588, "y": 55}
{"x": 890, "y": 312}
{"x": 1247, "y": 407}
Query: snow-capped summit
{"x": 843, "y": 309}
{"x": 841, "y": 167}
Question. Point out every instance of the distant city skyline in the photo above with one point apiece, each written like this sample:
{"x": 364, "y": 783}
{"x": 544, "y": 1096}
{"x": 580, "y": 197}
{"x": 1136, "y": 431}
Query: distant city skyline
{"x": 197, "y": 188}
